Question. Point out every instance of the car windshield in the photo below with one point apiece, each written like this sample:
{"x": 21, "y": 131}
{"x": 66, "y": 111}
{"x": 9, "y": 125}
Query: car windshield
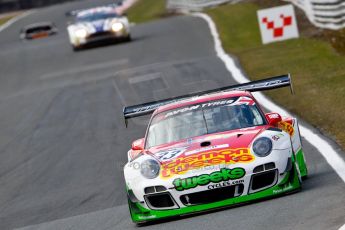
{"x": 95, "y": 17}
{"x": 204, "y": 118}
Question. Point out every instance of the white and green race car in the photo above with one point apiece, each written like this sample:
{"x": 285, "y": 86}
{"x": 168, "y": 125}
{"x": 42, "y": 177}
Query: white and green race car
{"x": 209, "y": 150}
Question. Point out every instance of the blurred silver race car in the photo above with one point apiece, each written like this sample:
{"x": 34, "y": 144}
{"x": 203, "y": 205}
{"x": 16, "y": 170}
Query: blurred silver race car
{"x": 98, "y": 24}
{"x": 38, "y": 30}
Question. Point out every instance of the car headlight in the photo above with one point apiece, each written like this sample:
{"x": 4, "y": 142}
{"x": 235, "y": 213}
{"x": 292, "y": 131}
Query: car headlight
{"x": 262, "y": 147}
{"x": 150, "y": 168}
{"x": 117, "y": 26}
{"x": 81, "y": 33}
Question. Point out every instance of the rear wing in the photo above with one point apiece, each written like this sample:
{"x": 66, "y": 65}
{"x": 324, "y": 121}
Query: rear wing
{"x": 253, "y": 86}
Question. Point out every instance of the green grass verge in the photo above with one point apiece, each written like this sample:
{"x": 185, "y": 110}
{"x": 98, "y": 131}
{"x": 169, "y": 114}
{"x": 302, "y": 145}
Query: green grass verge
{"x": 317, "y": 69}
{"x": 146, "y": 10}
{"x": 5, "y": 19}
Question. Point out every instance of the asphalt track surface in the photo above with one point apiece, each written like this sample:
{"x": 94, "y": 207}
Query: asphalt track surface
{"x": 63, "y": 142}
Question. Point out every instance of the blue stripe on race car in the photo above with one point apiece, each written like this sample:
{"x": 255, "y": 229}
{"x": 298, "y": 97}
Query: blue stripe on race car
{"x": 99, "y": 25}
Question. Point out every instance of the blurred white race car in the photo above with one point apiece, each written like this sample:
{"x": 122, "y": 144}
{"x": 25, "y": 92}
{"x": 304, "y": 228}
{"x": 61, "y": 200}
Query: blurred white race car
{"x": 98, "y": 24}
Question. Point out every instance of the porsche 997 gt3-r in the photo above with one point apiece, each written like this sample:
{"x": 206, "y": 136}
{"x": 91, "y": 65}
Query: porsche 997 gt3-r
{"x": 211, "y": 149}
{"x": 98, "y": 24}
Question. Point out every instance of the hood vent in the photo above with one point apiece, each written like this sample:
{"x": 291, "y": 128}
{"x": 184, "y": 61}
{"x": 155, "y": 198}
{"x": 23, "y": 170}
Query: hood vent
{"x": 205, "y": 143}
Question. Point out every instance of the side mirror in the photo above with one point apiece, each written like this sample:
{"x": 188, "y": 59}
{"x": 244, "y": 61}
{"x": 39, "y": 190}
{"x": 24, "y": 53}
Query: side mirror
{"x": 138, "y": 144}
{"x": 273, "y": 118}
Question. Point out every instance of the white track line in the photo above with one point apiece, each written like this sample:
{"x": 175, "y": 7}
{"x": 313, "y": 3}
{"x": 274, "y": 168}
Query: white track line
{"x": 342, "y": 227}
{"x": 13, "y": 20}
{"x": 326, "y": 150}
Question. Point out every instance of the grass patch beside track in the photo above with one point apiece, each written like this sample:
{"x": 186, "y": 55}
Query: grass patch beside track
{"x": 317, "y": 69}
{"x": 147, "y": 10}
{"x": 5, "y": 19}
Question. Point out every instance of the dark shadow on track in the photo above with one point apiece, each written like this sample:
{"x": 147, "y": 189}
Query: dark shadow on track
{"x": 106, "y": 43}
{"x": 190, "y": 215}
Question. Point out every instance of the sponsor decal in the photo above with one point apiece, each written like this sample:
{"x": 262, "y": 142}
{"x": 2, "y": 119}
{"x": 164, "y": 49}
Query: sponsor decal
{"x": 287, "y": 127}
{"x": 40, "y": 35}
{"x": 260, "y": 85}
{"x": 224, "y": 174}
{"x": 150, "y": 107}
{"x": 184, "y": 163}
{"x": 225, "y": 102}
{"x": 198, "y": 106}
{"x": 244, "y": 101}
{"x": 273, "y": 116}
{"x": 146, "y": 217}
{"x": 225, "y": 184}
{"x": 206, "y": 149}
{"x": 210, "y": 138}
{"x": 169, "y": 154}
{"x": 289, "y": 187}
{"x": 218, "y": 136}
{"x": 277, "y": 137}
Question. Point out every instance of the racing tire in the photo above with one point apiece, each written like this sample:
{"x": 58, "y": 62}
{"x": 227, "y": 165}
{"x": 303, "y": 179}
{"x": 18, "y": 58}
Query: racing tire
{"x": 304, "y": 177}
{"x": 76, "y": 48}
{"x": 138, "y": 224}
{"x": 128, "y": 38}
{"x": 300, "y": 179}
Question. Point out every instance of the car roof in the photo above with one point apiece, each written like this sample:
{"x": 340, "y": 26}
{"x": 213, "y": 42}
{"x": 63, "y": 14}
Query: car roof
{"x": 38, "y": 24}
{"x": 96, "y": 10}
{"x": 202, "y": 99}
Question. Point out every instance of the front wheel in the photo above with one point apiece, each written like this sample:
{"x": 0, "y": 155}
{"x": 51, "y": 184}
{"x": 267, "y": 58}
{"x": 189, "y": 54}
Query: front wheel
{"x": 128, "y": 38}
{"x": 76, "y": 48}
{"x": 300, "y": 179}
{"x": 302, "y": 166}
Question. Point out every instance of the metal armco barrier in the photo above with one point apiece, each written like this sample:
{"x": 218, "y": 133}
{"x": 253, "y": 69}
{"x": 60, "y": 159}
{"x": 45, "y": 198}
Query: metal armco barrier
{"x": 194, "y": 5}
{"x": 329, "y": 14}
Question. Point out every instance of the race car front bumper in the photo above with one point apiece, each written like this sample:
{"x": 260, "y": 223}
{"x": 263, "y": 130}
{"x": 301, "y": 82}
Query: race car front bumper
{"x": 265, "y": 181}
{"x": 101, "y": 36}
